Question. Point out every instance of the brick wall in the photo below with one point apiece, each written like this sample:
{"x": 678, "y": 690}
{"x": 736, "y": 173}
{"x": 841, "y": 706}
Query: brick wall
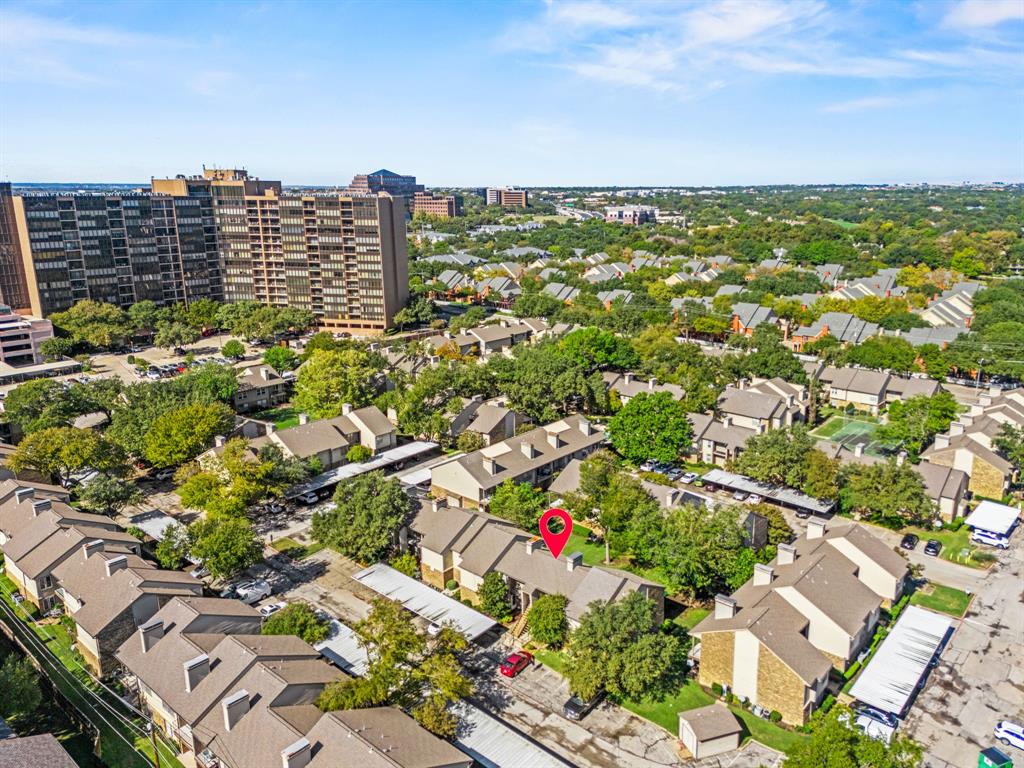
{"x": 432, "y": 576}
{"x": 986, "y": 480}
{"x": 778, "y": 687}
{"x": 716, "y": 651}
{"x": 113, "y": 636}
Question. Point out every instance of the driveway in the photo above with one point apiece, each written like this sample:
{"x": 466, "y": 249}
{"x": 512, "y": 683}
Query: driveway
{"x": 980, "y": 678}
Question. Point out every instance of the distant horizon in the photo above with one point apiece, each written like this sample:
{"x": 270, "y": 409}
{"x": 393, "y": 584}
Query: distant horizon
{"x": 710, "y": 93}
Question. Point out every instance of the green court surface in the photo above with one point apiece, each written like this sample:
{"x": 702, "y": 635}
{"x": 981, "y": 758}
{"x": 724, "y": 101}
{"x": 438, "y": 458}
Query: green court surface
{"x": 849, "y": 431}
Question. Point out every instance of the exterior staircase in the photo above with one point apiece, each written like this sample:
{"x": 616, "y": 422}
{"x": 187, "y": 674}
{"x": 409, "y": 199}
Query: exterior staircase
{"x": 519, "y": 625}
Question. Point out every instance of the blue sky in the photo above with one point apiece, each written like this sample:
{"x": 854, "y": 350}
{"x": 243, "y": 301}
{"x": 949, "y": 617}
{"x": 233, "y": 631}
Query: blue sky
{"x": 532, "y": 93}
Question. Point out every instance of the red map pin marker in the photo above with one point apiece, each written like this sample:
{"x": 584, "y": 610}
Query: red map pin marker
{"x": 556, "y": 541}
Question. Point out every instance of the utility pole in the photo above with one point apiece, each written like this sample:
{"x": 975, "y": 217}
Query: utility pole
{"x": 152, "y": 738}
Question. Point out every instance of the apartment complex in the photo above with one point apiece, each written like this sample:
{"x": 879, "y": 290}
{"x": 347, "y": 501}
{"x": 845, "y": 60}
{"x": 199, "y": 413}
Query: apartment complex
{"x": 507, "y": 197}
{"x": 221, "y": 235}
{"x": 20, "y": 337}
{"x": 443, "y": 206}
{"x": 385, "y": 181}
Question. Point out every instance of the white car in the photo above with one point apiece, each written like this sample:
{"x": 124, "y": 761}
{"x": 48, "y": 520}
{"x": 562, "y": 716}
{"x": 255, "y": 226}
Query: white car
{"x": 753, "y": 499}
{"x": 309, "y": 498}
{"x": 164, "y": 474}
{"x": 199, "y": 572}
{"x": 270, "y": 609}
{"x": 688, "y": 478}
{"x": 250, "y": 592}
{"x": 990, "y": 539}
{"x": 1009, "y": 734}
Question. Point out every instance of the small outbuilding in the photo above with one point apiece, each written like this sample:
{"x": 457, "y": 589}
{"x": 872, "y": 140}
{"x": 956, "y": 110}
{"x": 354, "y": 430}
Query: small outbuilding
{"x": 708, "y": 731}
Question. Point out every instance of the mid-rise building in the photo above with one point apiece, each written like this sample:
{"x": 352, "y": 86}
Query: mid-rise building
{"x": 20, "y": 337}
{"x": 13, "y": 283}
{"x": 631, "y": 214}
{"x": 443, "y": 206}
{"x": 384, "y": 181}
{"x": 507, "y": 197}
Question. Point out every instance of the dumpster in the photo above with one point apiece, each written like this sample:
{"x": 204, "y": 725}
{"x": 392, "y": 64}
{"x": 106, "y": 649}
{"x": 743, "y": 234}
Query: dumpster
{"x": 994, "y": 758}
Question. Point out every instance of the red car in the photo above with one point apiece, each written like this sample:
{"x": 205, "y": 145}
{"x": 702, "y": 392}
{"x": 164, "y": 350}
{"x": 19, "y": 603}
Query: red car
{"x": 516, "y": 663}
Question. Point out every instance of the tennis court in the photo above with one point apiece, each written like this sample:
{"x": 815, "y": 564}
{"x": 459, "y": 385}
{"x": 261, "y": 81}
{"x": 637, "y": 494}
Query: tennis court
{"x": 850, "y": 431}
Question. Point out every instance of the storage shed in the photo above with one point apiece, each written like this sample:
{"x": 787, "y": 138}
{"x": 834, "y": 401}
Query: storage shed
{"x": 708, "y": 731}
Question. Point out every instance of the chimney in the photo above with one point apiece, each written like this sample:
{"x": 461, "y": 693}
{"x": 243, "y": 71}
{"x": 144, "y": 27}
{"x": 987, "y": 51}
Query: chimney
{"x": 967, "y": 420}
{"x": 652, "y": 384}
{"x": 628, "y": 377}
{"x": 303, "y": 418}
{"x": 956, "y": 428}
{"x": 815, "y": 529}
{"x": 218, "y": 441}
{"x": 346, "y": 409}
{"x": 574, "y": 561}
{"x": 195, "y": 670}
{"x": 994, "y": 391}
{"x": 271, "y": 428}
{"x": 150, "y": 632}
{"x": 727, "y": 421}
{"x": 725, "y": 607}
{"x": 264, "y": 373}
{"x": 234, "y": 707}
{"x": 858, "y": 449}
{"x": 531, "y": 544}
{"x": 941, "y": 441}
{"x": 490, "y": 465}
{"x": 586, "y": 427}
{"x": 116, "y": 564}
{"x": 24, "y": 493}
{"x": 553, "y": 440}
{"x": 92, "y": 547}
{"x": 296, "y": 755}
{"x": 527, "y": 448}
{"x": 763, "y": 574}
{"x": 786, "y": 554}
{"x": 436, "y": 504}
{"x": 41, "y": 505}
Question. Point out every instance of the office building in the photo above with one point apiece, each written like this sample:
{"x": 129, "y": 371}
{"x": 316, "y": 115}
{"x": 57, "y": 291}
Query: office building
{"x": 443, "y": 206}
{"x": 20, "y": 337}
{"x": 507, "y": 197}
{"x": 13, "y": 284}
{"x": 630, "y": 214}
{"x": 384, "y": 181}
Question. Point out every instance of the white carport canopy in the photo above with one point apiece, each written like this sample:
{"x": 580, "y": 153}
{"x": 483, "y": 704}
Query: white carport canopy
{"x": 423, "y": 600}
{"x": 891, "y": 677}
{"x": 993, "y": 517}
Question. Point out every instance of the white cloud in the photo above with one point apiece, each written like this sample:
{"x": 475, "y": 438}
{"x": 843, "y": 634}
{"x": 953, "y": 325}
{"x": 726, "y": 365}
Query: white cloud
{"x": 862, "y": 105}
{"x": 978, "y": 14}
{"x": 592, "y": 15}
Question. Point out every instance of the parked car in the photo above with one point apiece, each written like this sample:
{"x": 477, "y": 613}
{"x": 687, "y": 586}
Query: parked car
{"x": 270, "y": 609}
{"x": 163, "y": 474}
{"x": 803, "y": 514}
{"x": 199, "y": 572}
{"x": 250, "y": 592}
{"x": 274, "y": 507}
{"x": 309, "y": 498}
{"x": 17, "y": 597}
{"x": 688, "y": 478}
{"x": 933, "y": 547}
{"x": 648, "y": 466}
{"x": 739, "y": 495}
{"x": 433, "y": 629}
{"x": 754, "y": 499}
{"x": 673, "y": 474}
{"x": 885, "y": 718}
{"x": 576, "y": 708}
{"x": 990, "y": 539}
{"x": 515, "y": 663}
{"x": 1009, "y": 734}
{"x": 909, "y": 542}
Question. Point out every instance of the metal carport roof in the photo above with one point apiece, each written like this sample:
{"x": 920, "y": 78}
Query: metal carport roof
{"x": 780, "y": 494}
{"x": 890, "y": 679}
{"x": 993, "y": 517}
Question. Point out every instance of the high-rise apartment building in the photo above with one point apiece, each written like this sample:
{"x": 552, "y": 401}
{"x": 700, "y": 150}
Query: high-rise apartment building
{"x": 507, "y": 197}
{"x": 385, "y": 181}
{"x": 221, "y": 235}
{"x": 341, "y": 256}
{"x": 443, "y": 206}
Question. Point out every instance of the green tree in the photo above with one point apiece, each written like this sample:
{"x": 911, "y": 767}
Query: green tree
{"x": 651, "y": 426}
{"x": 281, "y": 359}
{"x": 143, "y": 315}
{"x": 519, "y": 503}
{"x": 202, "y": 313}
{"x": 546, "y": 620}
{"x": 367, "y": 513}
{"x": 624, "y": 499}
{"x": 822, "y": 476}
{"x": 594, "y": 348}
{"x": 59, "y": 452}
{"x": 182, "y": 434}
{"x": 19, "y": 687}
{"x": 173, "y": 549}
{"x": 406, "y": 563}
{"x": 93, "y": 322}
{"x": 175, "y": 334}
{"x": 777, "y": 456}
{"x": 836, "y": 743}
{"x": 225, "y": 545}
{"x": 330, "y": 379}
{"x": 469, "y": 442}
{"x": 887, "y": 493}
{"x": 300, "y": 620}
{"x": 494, "y": 595}
{"x": 233, "y": 349}
{"x": 912, "y": 423}
{"x": 697, "y": 548}
{"x": 33, "y": 406}
{"x": 106, "y": 495}
{"x": 57, "y": 348}
{"x": 358, "y": 454}
{"x": 1010, "y": 443}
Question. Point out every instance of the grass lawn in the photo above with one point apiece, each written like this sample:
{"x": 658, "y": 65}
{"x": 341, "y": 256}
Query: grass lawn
{"x": 281, "y": 417}
{"x": 294, "y": 549}
{"x": 550, "y": 658}
{"x": 691, "y": 617}
{"x": 593, "y": 554}
{"x": 956, "y": 545}
{"x": 843, "y": 223}
{"x": 943, "y": 599}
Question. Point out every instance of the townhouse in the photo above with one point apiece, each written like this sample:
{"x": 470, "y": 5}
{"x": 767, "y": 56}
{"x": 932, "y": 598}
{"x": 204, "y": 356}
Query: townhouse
{"x": 953, "y": 308}
{"x": 969, "y": 444}
{"x": 562, "y": 292}
{"x": 841, "y": 326}
{"x": 763, "y": 404}
{"x": 627, "y": 386}
{"x": 717, "y": 441}
{"x": 601, "y": 273}
{"x": 881, "y": 285}
{"x": 747, "y": 317}
{"x": 532, "y": 457}
{"x": 776, "y": 639}
{"x": 229, "y": 697}
{"x": 493, "y": 420}
{"x": 329, "y": 440}
{"x": 109, "y": 595}
{"x": 464, "y": 545}
{"x": 608, "y": 298}
{"x": 870, "y": 390}
{"x": 260, "y": 387}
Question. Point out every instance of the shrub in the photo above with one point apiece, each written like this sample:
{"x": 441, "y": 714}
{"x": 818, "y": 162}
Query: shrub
{"x": 138, "y": 533}
{"x": 451, "y": 585}
{"x": 854, "y": 668}
{"x": 956, "y": 525}
{"x": 730, "y": 698}
{"x": 406, "y": 563}
{"x": 716, "y": 688}
{"x": 775, "y": 716}
{"x": 357, "y": 454}
{"x": 130, "y": 359}
{"x": 827, "y": 704}
{"x": 546, "y": 620}
{"x": 300, "y": 620}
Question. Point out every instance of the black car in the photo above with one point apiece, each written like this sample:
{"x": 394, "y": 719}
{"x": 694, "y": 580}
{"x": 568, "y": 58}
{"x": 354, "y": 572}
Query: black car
{"x": 933, "y": 547}
{"x": 885, "y": 718}
{"x": 909, "y": 541}
{"x": 803, "y": 514}
{"x": 576, "y": 708}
